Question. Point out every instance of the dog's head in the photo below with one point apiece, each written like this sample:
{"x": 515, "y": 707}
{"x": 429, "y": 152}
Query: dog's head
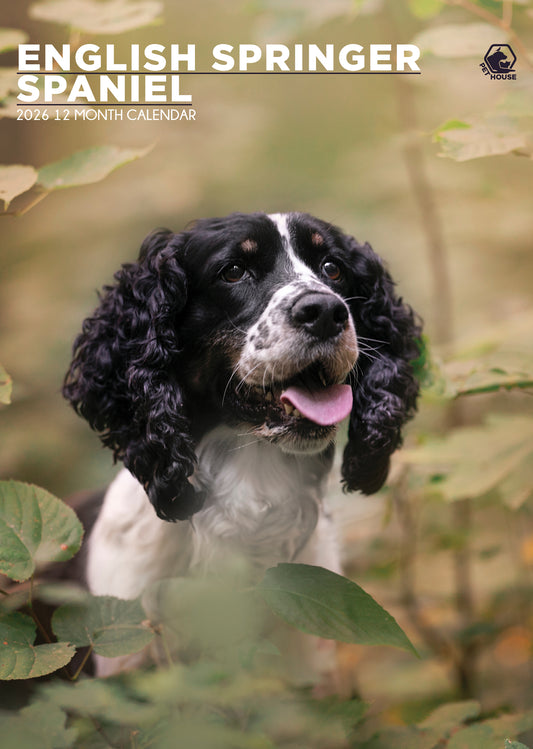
{"x": 281, "y": 325}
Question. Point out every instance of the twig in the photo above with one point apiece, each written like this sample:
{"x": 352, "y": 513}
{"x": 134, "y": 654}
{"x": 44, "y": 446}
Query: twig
{"x": 80, "y": 668}
{"x": 464, "y": 655}
{"x": 431, "y": 636}
{"x": 503, "y": 23}
{"x": 507, "y": 13}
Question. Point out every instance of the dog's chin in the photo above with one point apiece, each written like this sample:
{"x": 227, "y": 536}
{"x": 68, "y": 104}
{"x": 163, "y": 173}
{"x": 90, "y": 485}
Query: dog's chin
{"x": 262, "y": 412}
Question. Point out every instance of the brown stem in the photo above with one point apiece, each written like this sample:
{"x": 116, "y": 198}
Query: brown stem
{"x": 464, "y": 596}
{"x": 76, "y": 674}
{"x": 464, "y": 655}
{"x": 430, "y": 635}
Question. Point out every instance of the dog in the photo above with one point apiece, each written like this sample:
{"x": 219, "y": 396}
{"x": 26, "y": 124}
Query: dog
{"x": 217, "y": 368}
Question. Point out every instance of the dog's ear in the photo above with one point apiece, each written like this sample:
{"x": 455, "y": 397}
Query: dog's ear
{"x": 385, "y": 389}
{"x": 124, "y": 380}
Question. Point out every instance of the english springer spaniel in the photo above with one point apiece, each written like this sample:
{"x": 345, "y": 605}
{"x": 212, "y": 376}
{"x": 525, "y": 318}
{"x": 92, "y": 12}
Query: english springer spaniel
{"x": 218, "y": 368}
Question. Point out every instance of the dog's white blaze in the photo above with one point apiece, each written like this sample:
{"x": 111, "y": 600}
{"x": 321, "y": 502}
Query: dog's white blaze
{"x": 300, "y": 268}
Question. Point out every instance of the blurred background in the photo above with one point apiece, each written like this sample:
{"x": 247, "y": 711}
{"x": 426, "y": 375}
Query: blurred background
{"x": 356, "y": 151}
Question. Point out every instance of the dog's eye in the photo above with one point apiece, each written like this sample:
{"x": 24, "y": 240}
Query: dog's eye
{"x": 331, "y": 270}
{"x": 233, "y": 273}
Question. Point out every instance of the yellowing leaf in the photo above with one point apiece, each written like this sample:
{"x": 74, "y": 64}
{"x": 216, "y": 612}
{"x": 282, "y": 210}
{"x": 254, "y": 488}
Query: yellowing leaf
{"x": 85, "y": 167}
{"x": 11, "y": 38}
{"x": 90, "y": 16}
{"x": 472, "y": 461}
{"x": 5, "y": 386}
{"x": 14, "y": 180}
{"x": 8, "y": 82}
{"x": 493, "y": 136}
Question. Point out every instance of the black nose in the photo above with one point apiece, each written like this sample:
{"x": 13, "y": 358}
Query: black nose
{"x": 322, "y": 315}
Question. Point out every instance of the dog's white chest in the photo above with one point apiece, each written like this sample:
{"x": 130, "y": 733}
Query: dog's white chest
{"x": 257, "y": 504}
{"x": 257, "y": 507}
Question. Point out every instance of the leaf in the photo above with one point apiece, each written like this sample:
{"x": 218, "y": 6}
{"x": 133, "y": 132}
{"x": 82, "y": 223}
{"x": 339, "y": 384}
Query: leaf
{"x": 11, "y": 38}
{"x": 8, "y": 82}
{"x": 425, "y": 8}
{"x": 14, "y": 180}
{"x": 90, "y": 16}
{"x": 102, "y": 699}
{"x": 19, "y": 657}
{"x": 6, "y": 385}
{"x": 493, "y": 136}
{"x": 471, "y": 377}
{"x": 35, "y": 527}
{"x": 474, "y": 460}
{"x": 457, "y": 40}
{"x": 514, "y": 745}
{"x": 112, "y": 626}
{"x": 323, "y": 603}
{"x": 207, "y": 615}
{"x": 86, "y": 167}
{"x": 478, "y": 736}
{"x": 39, "y": 725}
{"x": 452, "y": 125}
{"x": 447, "y": 717}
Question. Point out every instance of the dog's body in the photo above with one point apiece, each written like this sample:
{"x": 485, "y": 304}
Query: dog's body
{"x": 217, "y": 368}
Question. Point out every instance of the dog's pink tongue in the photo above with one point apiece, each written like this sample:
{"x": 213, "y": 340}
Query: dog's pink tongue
{"x": 325, "y": 406}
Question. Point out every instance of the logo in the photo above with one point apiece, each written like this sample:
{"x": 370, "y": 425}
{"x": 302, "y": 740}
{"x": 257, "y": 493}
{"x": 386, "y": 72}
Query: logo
{"x": 499, "y": 62}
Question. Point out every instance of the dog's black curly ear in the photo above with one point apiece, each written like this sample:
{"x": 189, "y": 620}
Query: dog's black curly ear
{"x": 385, "y": 389}
{"x": 123, "y": 376}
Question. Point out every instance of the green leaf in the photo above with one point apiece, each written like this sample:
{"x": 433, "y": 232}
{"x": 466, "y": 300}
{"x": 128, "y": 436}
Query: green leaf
{"x": 478, "y": 736}
{"x": 93, "y": 17}
{"x": 35, "y": 527}
{"x": 38, "y": 726}
{"x": 447, "y": 717}
{"x": 514, "y": 745}
{"x": 323, "y": 603}
{"x": 14, "y": 180}
{"x": 208, "y": 615}
{"x": 111, "y": 625}
{"x": 11, "y": 38}
{"x": 86, "y": 167}
{"x": 425, "y": 8}
{"x": 6, "y": 385}
{"x": 451, "y": 125}
{"x": 474, "y": 377}
{"x": 458, "y": 40}
{"x": 102, "y": 699}
{"x": 19, "y": 657}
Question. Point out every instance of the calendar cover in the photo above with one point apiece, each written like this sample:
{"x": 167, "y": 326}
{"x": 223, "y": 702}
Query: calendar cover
{"x": 407, "y": 125}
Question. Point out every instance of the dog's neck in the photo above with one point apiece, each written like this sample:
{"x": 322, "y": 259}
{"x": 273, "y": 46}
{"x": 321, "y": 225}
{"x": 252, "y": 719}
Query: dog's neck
{"x": 260, "y": 502}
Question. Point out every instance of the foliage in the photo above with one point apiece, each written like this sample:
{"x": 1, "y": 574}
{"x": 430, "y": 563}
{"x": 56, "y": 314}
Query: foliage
{"x": 322, "y": 603}
{"x": 90, "y": 16}
{"x": 81, "y": 168}
{"x": 92, "y": 164}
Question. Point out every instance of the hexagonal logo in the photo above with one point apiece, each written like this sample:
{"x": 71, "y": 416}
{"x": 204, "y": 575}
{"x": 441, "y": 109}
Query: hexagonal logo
{"x": 500, "y": 59}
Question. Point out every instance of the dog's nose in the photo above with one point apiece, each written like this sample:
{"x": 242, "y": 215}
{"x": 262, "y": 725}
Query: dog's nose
{"x": 322, "y": 315}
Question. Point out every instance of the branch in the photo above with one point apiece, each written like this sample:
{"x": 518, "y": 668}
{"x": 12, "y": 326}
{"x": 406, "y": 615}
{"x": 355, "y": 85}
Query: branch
{"x": 503, "y": 23}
